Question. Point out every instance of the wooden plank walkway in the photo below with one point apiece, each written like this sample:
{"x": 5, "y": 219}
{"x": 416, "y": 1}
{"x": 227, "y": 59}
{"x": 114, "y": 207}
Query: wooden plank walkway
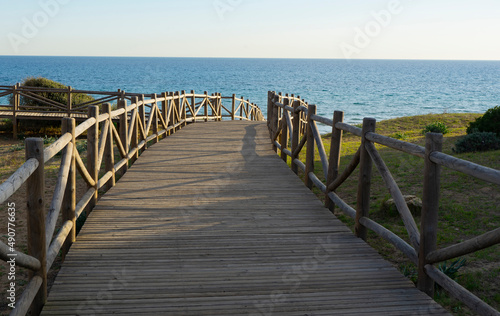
{"x": 211, "y": 222}
{"x": 42, "y": 115}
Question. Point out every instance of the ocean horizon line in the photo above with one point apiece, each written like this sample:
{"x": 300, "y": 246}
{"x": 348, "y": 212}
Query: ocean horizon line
{"x": 260, "y": 58}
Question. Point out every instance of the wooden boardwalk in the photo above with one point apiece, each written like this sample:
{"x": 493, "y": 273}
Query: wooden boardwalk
{"x": 41, "y": 115}
{"x": 211, "y": 222}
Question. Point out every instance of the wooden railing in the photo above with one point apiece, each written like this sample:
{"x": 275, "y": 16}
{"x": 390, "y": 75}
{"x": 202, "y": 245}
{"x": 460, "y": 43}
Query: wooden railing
{"x": 136, "y": 131}
{"x": 291, "y": 117}
{"x": 46, "y": 108}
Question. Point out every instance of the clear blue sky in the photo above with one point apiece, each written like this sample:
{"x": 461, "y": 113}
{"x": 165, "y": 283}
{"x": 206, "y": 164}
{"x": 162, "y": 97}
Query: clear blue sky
{"x": 388, "y": 29}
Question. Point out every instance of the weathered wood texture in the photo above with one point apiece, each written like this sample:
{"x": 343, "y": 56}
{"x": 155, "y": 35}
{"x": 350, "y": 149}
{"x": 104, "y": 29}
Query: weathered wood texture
{"x": 199, "y": 226}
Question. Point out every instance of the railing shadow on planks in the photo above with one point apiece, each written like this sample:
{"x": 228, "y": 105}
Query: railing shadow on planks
{"x": 136, "y": 130}
{"x": 34, "y": 103}
{"x": 293, "y": 121}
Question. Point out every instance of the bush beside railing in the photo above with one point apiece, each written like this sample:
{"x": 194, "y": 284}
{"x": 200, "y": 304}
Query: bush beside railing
{"x": 290, "y": 117}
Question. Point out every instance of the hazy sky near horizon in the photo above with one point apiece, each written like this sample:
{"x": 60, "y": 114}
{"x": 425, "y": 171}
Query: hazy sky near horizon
{"x": 378, "y": 29}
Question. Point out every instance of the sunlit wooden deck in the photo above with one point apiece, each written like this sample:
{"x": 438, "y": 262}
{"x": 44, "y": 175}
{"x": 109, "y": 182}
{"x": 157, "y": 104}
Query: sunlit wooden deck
{"x": 211, "y": 222}
{"x": 41, "y": 115}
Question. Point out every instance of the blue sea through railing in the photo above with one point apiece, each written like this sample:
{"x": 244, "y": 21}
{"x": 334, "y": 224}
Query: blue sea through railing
{"x": 381, "y": 89}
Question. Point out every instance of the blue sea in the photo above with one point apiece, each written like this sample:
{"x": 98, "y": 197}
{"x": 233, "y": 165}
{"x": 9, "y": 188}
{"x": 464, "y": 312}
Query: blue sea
{"x": 381, "y": 89}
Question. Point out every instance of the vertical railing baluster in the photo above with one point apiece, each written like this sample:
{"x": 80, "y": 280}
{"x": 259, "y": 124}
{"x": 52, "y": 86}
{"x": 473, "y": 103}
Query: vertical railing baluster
{"x": 36, "y": 219}
{"x": 17, "y": 101}
{"x": 364, "y": 182}
{"x": 430, "y": 208}
{"x": 69, "y": 200}
{"x": 295, "y": 134}
{"x": 123, "y": 132}
{"x": 164, "y": 109}
{"x": 69, "y": 101}
{"x": 135, "y": 133}
{"x": 310, "y": 147}
{"x": 193, "y": 105}
{"x": 334, "y": 159}
{"x": 284, "y": 132}
{"x": 241, "y": 107}
{"x": 109, "y": 158}
{"x": 183, "y": 108}
{"x": 233, "y": 108}
{"x": 93, "y": 154}
{"x": 154, "y": 116}
{"x": 205, "y": 113}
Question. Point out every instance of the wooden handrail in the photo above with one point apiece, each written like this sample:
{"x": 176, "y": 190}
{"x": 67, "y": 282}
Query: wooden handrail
{"x": 17, "y": 179}
{"x": 136, "y": 129}
{"x": 423, "y": 251}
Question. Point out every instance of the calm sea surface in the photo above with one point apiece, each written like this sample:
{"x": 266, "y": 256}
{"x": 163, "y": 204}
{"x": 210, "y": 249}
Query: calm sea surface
{"x": 377, "y": 88}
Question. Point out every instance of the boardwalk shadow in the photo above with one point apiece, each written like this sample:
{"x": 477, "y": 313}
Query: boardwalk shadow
{"x": 248, "y": 151}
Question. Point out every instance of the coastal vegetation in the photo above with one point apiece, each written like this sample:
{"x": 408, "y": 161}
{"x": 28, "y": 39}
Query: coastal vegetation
{"x": 60, "y": 97}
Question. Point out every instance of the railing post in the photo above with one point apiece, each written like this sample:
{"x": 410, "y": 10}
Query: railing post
{"x": 310, "y": 147}
{"x": 220, "y": 106}
{"x": 216, "y": 106}
{"x": 248, "y": 110}
{"x": 154, "y": 117}
{"x": 274, "y": 119}
{"x": 135, "y": 134}
{"x": 233, "y": 108}
{"x": 205, "y": 110}
{"x": 93, "y": 154}
{"x": 364, "y": 182}
{"x": 70, "y": 100}
{"x": 241, "y": 107}
{"x": 183, "y": 108}
{"x": 284, "y": 132}
{"x": 164, "y": 109}
{"x": 269, "y": 112}
{"x": 171, "y": 118}
{"x": 295, "y": 134}
{"x": 430, "y": 207}
{"x": 69, "y": 200}
{"x": 109, "y": 158}
{"x": 193, "y": 105}
{"x": 123, "y": 132}
{"x": 36, "y": 218}
{"x": 334, "y": 163}
{"x": 17, "y": 101}
{"x": 142, "y": 118}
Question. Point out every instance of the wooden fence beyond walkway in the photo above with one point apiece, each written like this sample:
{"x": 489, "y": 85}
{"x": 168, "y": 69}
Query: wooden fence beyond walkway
{"x": 211, "y": 221}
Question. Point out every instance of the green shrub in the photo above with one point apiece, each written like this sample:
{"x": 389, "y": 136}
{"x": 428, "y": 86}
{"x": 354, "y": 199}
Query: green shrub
{"x": 489, "y": 122}
{"x": 400, "y": 135}
{"x": 480, "y": 141}
{"x": 435, "y": 127}
{"x": 49, "y": 127}
{"x": 60, "y": 97}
